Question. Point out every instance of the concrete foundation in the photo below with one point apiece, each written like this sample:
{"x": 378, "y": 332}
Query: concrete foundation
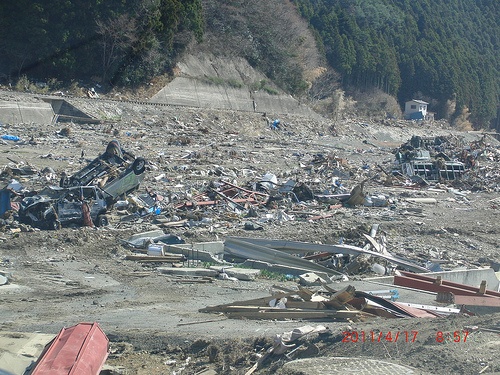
{"x": 25, "y": 113}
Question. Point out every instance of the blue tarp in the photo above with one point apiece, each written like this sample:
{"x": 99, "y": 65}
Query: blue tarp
{"x": 415, "y": 116}
{"x": 4, "y": 201}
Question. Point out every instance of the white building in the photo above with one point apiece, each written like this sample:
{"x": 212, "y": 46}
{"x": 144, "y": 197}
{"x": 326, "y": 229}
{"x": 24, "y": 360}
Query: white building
{"x": 415, "y": 110}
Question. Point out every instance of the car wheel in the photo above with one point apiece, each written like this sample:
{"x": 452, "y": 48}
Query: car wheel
{"x": 139, "y": 165}
{"x": 102, "y": 221}
{"x": 114, "y": 148}
{"x": 56, "y": 225}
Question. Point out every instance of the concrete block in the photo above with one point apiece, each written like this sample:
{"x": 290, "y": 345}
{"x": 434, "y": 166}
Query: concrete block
{"x": 244, "y": 274}
{"x": 18, "y": 350}
{"x": 22, "y": 113}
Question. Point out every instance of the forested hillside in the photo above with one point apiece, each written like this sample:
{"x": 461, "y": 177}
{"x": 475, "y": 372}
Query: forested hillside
{"x": 123, "y": 42}
{"x": 443, "y": 49}
{"x": 439, "y": 51}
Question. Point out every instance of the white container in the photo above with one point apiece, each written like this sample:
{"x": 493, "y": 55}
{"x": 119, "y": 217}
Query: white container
{"x": 379, "y": 269}
{"x": 156, "y": 250}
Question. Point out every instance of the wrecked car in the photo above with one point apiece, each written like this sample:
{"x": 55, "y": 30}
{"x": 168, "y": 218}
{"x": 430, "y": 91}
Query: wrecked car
{"x": 425, "y": 157}
{"x": 55, "y": 207}
{"x": 420, "y": 163}
{"x": 116, "y": 172}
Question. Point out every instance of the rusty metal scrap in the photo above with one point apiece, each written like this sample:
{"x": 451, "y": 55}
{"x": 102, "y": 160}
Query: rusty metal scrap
{"x": 437, "y": 284}
{"x": 225, "y": 192}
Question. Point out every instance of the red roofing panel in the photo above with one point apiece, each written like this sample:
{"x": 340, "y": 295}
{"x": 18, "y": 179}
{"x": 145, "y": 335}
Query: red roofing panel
{"x": 431, "y": 284}
{"x": 78, "y": 350}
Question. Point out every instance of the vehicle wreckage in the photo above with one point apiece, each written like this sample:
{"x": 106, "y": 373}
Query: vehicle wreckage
{"x": 55, "y": 207}
{"x": 85, "y": 197}
{"x": 116, "y": 171}
{"x": 426, "y": 158}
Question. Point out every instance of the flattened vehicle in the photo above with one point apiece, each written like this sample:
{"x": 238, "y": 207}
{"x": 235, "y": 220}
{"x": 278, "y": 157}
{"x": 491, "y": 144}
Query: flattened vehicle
{"x": 116, "y": 172}
{"x": 55, "y": 207}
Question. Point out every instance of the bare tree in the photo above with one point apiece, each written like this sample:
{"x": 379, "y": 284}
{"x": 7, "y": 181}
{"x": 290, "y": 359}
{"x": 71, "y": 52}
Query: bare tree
{"x": 118, "y": 36}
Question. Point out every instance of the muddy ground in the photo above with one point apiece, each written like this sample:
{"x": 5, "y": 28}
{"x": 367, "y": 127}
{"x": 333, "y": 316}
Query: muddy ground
{"x": 80, "y": 274}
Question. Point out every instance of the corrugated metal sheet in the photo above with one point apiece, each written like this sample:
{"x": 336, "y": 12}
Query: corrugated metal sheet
{"x": 78, "y": 350}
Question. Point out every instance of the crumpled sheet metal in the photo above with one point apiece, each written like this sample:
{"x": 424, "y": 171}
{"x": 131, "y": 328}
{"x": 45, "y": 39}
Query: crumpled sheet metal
{"x": 301, "y": 247}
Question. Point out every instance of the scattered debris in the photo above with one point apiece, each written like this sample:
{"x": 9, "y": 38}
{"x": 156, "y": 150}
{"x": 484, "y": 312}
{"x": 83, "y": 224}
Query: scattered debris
{"x": 326, "y": 305}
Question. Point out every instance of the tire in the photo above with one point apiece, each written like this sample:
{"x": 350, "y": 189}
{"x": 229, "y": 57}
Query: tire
{"x": 114, "y": 148}
{"x": 139, "y": 166}
{"x": 102, "y": 221}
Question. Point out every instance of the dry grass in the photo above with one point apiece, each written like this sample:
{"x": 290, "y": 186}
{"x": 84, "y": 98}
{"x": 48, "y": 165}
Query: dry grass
{"x": 462, "y": 121}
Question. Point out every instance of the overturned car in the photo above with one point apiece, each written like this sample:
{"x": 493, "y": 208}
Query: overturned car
{"x": 116, "y": 172}
{"x": 55, "y": 207}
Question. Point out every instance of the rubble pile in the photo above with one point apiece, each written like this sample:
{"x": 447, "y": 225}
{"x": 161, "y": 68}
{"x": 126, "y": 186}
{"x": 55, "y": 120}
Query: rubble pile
{"x": 221, "y": 199}
{"x": 471, "y": 166}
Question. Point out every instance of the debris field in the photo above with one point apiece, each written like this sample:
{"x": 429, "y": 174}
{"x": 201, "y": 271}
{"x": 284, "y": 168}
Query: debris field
{"x": 236, "y": 247}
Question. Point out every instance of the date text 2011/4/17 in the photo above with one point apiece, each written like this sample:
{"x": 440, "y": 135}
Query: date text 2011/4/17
{"x": 373, "y": 336}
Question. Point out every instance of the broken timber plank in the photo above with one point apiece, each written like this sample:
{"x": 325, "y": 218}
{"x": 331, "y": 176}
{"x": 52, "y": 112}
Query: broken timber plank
{"x": 285, "y": 314}
{"x": 160, "y": 258}
{"x": 340, "y": 300}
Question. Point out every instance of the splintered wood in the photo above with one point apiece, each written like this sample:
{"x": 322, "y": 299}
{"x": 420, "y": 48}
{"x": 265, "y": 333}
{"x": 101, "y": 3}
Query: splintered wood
{"x": 302, "y": 304}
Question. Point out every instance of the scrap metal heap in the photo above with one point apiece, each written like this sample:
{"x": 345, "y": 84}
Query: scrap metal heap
{"x": 83, "y": 198}
{"x": 428, "y": 158}
{"x": 471, "y": 165}
{"x": 237, "y": 199}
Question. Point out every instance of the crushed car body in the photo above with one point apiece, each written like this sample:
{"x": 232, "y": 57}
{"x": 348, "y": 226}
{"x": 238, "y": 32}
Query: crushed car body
{"x": 85, "y": 197}
{"x": 116, "y": 171}
{"x": 55, "y": 207}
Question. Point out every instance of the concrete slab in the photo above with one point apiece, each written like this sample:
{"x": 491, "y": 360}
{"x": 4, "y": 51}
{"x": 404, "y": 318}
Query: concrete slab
{"x": 343, "y": 365}
{"x": 23, "y": 113}
{"x": 243, "y": 274}
{"x": 310, "y": 278}
{"x": 212, "y": 252}
{"x": 19, "y": 350}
